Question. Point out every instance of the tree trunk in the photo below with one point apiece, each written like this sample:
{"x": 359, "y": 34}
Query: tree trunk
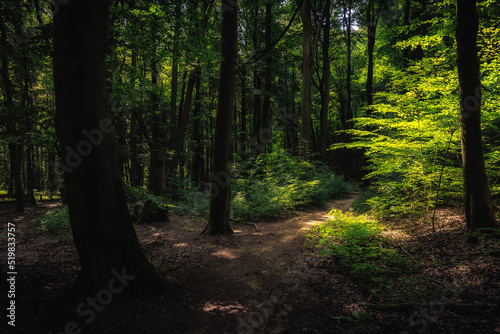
{"x": 104, "y": 236}
{"x": 136, "y": 172}
{"x": 178, "y": 140}
{"x": 158, "y": 154}
{"x": 372, "y": 20}
{"x": 325, "y": 92}
{"x": 197, "y": 145}
{"x": 16, "y": 156}
{"x": 265, "y": 131}
{"x": 305, "y": 130}
{"x": 221, "y": 188}
{"x": 478, "y": 207}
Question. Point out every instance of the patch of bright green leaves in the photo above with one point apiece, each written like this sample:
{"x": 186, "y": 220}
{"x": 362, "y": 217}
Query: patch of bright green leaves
{"x": 359, "y": 245}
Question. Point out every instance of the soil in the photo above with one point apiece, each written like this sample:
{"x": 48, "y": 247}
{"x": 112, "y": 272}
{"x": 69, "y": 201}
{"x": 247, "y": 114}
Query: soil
{"x": 264, "y": 278}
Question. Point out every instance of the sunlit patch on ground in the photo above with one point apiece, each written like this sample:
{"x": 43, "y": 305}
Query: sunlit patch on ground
{"x": 225, "y": 254}
{"x": 229, "y": 309}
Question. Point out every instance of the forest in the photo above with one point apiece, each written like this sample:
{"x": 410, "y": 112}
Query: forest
{"x": 237, "y": 166}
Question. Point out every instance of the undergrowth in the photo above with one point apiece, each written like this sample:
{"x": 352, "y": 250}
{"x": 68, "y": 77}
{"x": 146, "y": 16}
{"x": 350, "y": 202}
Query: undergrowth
{"x": 358, "y": 245}
{"x": 55, "y": 222}
{"x": 276, "y": 183}
{"x": 271, "y": 186}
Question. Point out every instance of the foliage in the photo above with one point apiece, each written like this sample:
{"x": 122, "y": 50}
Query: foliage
{"x": 136, "y": 194}
{"x": 189, "y": 199}
{"x": 361, "y": 246}
{"x": 358, "y": 244}
{"x": 55, "y": 222}
{"x": 276, "y": 183}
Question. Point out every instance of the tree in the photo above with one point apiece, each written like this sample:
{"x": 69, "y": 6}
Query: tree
{"x": 478, "y": 207}
{"x": 325, "y": 83}
{"x": 221, "y": 180}
{"x": 103, "y": 233}
{"x": 305, "y": 113}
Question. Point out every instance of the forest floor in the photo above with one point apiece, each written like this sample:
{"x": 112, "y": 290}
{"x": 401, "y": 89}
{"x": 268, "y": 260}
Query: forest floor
{"x": 263, "y": 279}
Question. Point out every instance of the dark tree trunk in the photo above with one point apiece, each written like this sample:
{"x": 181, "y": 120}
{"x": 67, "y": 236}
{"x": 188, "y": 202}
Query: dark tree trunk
{"x": 305, "y": 130}
{"x": 221, "y": 188}
{"x": 104, "y": 236}
{"x": 16, "y": 156}
{"x": 265, "y": 131}
{"x": 158, "y": 154}
{"x": 325, "y": 91}
{"x": 197, "y": 146}
{"x": 372, "y": 20}
{"x": 242, "y": 149}
{"x": 30, "y": 175}
{"x": 478, "y": 207}
{"x": 178, "y": 141}
{"x": 136, "y": 171}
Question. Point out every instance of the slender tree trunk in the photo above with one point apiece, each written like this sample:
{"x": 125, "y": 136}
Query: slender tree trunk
{"x": 197, "y": 146}
{"x": 178, "y": 141}
{"x": 16, "y": 156}
{"x": 478, "y": 207}
{"x": 325, "y": 92}
{"x": 158, "y": 155}
{"x": 30, "y": 174}
{"x": 105, "y": 239}
{"x": 265, "y": 131}
{"x": 136, "y": 170}
{"x": 244, "y": 111}
{"x": 372, "y": 20}
{"x": 305, "y": 130}
{"x": 221, "y": 179}
{"x": 257, "y": 82}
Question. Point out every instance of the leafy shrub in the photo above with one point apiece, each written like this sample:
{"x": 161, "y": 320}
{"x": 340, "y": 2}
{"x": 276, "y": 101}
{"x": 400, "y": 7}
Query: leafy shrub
{"x": 276, "y": 183}
{"x": 135, "y": 194}
{"x": 149, "y": 208}
{"x": 358, "y": 244}
{"x": 55, "y": 222}
{"x": 189, "y": 199}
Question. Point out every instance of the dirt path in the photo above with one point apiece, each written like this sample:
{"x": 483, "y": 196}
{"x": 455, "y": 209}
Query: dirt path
{"x": 255, "y": 280}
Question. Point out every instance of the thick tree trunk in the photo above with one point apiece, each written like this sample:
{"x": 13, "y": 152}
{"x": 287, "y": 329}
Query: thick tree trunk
{"x": 221, "y": 179}
{"x": 478, "y": 207}
{"x": 305, "y": 129}
{"x": 104, "y": 236}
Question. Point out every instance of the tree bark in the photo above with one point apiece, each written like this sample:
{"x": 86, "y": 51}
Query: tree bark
{"x": 478, "y": 207}
{"x": 265, "y": 131}
{"x": 103, "y": 233}
{"x": 221, "y": 179}
{"x": 305, "y": 129}
{"x": 371, "y": 22}
{"x": 325, "y": 92}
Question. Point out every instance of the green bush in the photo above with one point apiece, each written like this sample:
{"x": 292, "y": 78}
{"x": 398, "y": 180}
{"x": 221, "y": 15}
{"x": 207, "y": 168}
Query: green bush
{"x": 358, "y": 244}
{"x": 55, "y": 222}
{"x": 189, "y": 199}
{"x": 136, "y": 194}
{"x": 276, "y": 183}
